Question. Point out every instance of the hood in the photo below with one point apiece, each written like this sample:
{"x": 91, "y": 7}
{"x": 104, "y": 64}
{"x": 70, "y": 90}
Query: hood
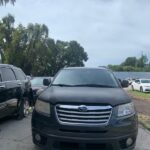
{"x": 85, "y": 95}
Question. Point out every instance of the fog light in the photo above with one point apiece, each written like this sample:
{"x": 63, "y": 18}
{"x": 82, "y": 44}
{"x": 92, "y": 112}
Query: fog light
{"x": 129, "y": 141}
{"x": 37, "y": 137}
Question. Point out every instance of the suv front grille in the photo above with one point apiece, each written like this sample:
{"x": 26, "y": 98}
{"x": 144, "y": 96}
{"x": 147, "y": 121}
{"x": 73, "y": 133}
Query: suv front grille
{"x": 83, "y": 115}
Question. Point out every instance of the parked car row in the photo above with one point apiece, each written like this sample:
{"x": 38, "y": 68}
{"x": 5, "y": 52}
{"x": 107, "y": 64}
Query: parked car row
{"x": 130, "y": 80}
{"x": 142, "y": 85}
{"x": 81, "y": 107}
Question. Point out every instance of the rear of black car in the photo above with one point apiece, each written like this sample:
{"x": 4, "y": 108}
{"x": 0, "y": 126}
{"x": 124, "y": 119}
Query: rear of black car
{"x": 84, "y": 116}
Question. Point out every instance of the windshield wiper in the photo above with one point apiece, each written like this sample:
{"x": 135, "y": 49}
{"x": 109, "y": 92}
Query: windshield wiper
{"x": 67, "y": 85}
{"x": 84, "y": 85}
{"x": 95, "y": 85}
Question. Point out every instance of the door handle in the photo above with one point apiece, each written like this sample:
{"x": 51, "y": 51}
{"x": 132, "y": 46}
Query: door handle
{"x": 2, "y": 86}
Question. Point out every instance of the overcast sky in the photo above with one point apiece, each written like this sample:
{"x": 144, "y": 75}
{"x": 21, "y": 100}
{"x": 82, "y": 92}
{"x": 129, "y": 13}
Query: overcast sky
{"x": 109, "y": 30}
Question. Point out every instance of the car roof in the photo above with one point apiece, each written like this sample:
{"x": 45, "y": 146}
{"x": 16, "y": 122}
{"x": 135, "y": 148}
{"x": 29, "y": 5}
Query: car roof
{"x": 8, "y": 65}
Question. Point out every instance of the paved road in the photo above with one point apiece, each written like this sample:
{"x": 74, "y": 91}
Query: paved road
{"x": 16, "y": 135}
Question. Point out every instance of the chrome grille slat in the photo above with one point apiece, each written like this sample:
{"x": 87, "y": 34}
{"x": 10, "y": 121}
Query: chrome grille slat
{"x": 84, "y": 113}
{"x": 95, "y": 108}
{"x": 72, "y": 115}
{"x": 83, "y": 121}
{"x": 86, "y": 117}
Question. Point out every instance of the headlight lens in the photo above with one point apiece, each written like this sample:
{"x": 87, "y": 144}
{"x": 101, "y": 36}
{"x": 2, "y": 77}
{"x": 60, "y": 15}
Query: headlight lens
{"x": 126, "y": 110}
{"x": 147, "y": 86}
{"x": 42, "y": 107}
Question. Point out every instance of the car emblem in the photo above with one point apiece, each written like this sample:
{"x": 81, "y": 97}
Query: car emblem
{"x": 83, "y": 108}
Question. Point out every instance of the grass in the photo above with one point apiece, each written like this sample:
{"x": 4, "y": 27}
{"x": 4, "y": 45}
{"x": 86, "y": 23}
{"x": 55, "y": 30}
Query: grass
{"x": 144, "y": 121}
{"x": 139, "y": 95}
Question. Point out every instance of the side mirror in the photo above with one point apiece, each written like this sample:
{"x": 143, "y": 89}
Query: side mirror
{"x": 124, "y": 83}
{"x": 29, "y": 78}
{"x": 46, "y": 82}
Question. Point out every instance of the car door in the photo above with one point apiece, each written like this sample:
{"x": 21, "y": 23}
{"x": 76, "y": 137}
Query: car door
{"x": 3, "y": 98}
{"x": 137, "y": 85}
{"x": 11, "y": 89}
{"x": 22, "y": 80}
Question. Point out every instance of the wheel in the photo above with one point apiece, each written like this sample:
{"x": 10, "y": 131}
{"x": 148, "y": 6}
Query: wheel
{"x": 23, "y": 110}
{"x": 132, "y": 88}
{"x": 26, "y": 108}
{"x": 141, "y": 89}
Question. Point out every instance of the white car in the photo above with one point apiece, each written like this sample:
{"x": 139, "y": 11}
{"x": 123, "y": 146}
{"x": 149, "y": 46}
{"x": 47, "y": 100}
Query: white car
{"x": 142, "y": 85}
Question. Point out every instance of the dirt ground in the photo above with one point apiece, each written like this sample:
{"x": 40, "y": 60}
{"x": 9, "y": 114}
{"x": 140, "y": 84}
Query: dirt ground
{"x": 142, "y": 106}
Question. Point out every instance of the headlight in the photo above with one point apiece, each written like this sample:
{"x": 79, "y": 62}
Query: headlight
{"x": 42, "y": 107}
{"x": 126, "y": 110}
{"x": 147, "y": 86}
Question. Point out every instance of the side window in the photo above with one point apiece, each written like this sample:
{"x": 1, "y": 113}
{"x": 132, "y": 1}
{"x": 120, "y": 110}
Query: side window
{"x": 137, "y": 81}
{"x": 7, "y": 74}
{"x": 19, "y": 75}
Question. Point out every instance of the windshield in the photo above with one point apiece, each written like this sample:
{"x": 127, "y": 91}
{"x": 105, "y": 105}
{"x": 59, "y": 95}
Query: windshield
{"x": 85, "y": 77}
{"x": 145, "y": 81}
{"x": 37, "y": 81}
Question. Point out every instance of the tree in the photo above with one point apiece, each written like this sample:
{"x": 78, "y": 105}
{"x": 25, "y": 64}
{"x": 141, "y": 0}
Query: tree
{"x": 65, "y": 54}
{"x": 31, "y": 49}
{"x": 4, "y": 2}
{"x": 72, "y": 54}
{"x": 6, "y": 30}
{"x": 133, "y": 64}
{"x": 130, "y": 61}
{"x": 142, "y": 61}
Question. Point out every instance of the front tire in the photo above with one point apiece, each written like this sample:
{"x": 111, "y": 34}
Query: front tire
{"x": 141, "y": 89}
{"x": 23, "y": 110}
{"x": 132, "y": 88}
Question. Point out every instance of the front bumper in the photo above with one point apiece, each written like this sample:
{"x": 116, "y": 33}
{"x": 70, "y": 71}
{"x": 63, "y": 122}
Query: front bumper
{"x": 55, "y": 136}
{"x": 146, "y": 89}
{"x": 52, "y": 141}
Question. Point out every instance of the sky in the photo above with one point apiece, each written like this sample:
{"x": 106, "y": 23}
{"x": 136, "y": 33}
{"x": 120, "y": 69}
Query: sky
{"x": 109, "y": 30}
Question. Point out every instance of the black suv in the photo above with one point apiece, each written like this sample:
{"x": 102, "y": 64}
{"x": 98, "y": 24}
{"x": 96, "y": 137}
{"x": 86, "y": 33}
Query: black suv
{"x": 15, "y": 92}
{"x": 85, "y": 108}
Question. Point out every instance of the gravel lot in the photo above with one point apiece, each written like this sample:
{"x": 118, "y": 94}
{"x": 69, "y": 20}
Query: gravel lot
{"x": 16, "y": 135}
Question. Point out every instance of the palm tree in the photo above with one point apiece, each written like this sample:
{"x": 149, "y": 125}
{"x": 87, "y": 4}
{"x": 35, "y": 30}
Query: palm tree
{"x": 3, "y": 2}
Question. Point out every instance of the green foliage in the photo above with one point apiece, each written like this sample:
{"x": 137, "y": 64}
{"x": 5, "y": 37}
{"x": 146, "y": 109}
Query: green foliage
{"x": 4, "y": 2}
{"x": 130, "y": 61}
{"x": 142, "y": 61}
{"x": 132, "y": 64}
{"x": 31, "y": 49}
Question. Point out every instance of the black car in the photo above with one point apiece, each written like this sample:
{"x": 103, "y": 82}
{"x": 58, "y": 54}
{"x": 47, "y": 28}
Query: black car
{"x": 85, "y": 108}
{"x": 37, "y": 84}
{"x": 15, "y": 92}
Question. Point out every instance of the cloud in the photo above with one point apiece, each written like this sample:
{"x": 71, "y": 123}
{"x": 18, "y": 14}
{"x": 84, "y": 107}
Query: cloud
{"x": 109, "y": 30}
